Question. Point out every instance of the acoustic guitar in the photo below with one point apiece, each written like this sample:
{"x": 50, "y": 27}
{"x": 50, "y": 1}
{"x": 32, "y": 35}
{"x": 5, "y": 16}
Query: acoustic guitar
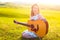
{"x": 39, "y": 27}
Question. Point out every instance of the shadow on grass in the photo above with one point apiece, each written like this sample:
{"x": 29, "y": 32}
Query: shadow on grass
{"x": 21, "y": 38}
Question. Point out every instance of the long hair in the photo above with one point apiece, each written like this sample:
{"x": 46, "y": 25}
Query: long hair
{"x": 32, "y": 13}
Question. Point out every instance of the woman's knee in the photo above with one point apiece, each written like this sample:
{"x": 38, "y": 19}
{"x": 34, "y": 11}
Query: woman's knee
{"x": 25, "y": 35}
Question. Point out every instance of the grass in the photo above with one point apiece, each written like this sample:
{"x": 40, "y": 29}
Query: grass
{"x": 11, "y": 31}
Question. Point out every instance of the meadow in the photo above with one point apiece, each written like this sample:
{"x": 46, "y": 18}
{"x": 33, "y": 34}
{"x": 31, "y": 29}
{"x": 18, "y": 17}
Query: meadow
{"x": 11, "y": 31}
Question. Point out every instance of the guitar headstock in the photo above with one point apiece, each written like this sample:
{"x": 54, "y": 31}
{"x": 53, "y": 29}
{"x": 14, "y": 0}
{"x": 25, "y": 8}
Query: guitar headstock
{"x": 15, "y": 21}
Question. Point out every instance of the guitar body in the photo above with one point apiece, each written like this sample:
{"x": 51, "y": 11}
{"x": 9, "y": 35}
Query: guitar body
{"x": 40, "y": 26}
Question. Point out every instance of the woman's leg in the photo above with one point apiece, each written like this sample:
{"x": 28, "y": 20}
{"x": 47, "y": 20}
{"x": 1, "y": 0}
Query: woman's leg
{"x": 29, "y": 35}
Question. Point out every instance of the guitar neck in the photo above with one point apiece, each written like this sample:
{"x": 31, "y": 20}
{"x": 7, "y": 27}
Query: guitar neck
{"x": 23, "y": 24}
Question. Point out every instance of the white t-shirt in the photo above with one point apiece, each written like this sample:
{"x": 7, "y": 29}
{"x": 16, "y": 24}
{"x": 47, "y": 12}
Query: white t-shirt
{"x": 38, "y": 16}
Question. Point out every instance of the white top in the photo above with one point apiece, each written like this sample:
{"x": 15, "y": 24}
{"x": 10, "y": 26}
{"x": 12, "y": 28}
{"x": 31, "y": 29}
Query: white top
{"x": 38, "y": 16}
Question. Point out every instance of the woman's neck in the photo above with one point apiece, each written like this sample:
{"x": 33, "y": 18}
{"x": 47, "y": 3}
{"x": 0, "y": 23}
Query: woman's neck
{"x": 35, "y": 14}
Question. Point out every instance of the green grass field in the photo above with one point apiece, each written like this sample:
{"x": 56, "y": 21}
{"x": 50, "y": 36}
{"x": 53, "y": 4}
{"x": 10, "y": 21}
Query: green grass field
{"x": 11, "y": 31}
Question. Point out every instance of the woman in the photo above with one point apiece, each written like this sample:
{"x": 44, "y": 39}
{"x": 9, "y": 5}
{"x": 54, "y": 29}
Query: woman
{"x": 34, "y": 16}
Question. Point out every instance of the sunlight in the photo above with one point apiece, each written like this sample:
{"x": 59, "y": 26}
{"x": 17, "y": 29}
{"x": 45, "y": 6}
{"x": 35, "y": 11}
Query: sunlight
{"x": 47, "y": 2}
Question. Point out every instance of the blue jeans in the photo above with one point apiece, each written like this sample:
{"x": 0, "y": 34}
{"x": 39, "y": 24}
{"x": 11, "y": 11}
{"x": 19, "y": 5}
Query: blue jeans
{"x": 28, "y": 34}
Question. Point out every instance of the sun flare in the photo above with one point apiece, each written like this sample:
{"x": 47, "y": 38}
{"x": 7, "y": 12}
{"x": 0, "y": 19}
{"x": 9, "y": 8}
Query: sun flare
{"x": 47, "y": 2}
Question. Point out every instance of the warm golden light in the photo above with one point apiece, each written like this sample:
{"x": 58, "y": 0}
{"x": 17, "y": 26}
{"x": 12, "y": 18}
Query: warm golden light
{"x": 47, "y": 2}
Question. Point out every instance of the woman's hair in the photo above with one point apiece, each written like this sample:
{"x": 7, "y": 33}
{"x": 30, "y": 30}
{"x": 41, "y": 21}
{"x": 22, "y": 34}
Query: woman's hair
{"x": 32, "y": 13}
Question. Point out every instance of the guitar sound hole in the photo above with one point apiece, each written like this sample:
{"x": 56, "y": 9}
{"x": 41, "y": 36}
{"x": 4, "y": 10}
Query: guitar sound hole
{"x": 34, "y": 29}
{"x": 32, "y": 26}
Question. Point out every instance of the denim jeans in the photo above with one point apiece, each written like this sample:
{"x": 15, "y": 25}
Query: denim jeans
{"x": 28, "y": 34}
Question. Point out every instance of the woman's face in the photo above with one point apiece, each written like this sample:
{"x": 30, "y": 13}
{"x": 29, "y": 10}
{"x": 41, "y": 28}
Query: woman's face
{"x": 35, "y": 10}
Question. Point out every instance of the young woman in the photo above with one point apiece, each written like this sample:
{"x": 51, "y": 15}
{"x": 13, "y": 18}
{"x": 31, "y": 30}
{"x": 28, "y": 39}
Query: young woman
{"x": 35, "y": 15}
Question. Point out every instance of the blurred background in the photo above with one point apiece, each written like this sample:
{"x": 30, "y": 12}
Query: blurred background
{"x": 20, "y": 10}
